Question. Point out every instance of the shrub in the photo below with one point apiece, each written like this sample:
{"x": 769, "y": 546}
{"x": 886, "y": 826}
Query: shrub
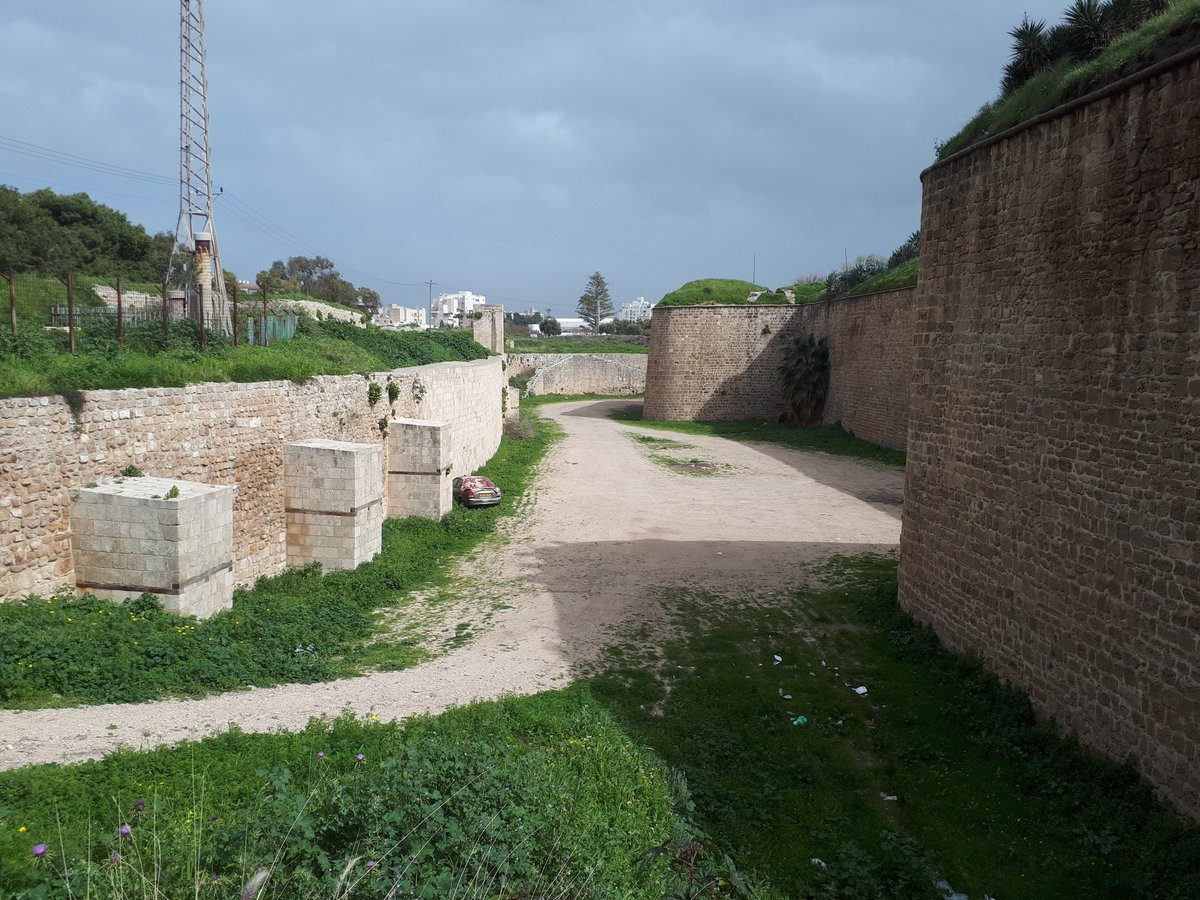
{"x": 805, "y": 376}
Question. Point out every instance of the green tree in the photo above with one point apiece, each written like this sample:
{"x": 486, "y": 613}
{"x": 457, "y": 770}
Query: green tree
{"x": 595, "y": 304}
{"x": 368, "y": 299}
{"x": 550, "y": 326}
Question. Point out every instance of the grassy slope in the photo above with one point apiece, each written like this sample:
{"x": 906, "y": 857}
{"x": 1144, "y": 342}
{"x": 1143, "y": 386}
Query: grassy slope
{"x": 711, "y": 291}
{"x": 41, "y": 365}
{"x": 61, "y": 651}
{"x": 1067, "y": 81}
{"x": 827, "y": 439}
{"x": 811, "y": 292}
{"x": 903, "y": 275}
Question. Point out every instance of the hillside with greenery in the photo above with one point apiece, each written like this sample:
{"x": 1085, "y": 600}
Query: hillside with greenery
{"x": 1096, "y": 44}
{"x": 36, "y": 362}
{"x": 711, "y": 292}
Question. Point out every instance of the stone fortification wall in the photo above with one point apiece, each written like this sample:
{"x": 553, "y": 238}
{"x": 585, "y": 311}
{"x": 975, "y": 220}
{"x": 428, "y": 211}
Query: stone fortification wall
{"x": 721, "y": 363}
{"x": 217, "y": 434}
{"x": 581, "y": 373}
{"x": 1052, "y": 507}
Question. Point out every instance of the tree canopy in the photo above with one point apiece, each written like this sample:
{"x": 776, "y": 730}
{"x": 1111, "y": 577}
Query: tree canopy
{"x": 45, "y": 233}
{"x": 595, "y": 304}
{"x": 317, "y": 277}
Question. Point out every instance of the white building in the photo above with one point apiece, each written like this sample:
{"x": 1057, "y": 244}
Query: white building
{"x": 635, "y": 311}
{"x": 401, "y": 317}
{"x": 452, "y": 310}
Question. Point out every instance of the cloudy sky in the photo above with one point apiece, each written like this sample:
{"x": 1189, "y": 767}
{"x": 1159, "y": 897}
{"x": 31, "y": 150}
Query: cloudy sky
{"x": 513, "y": 147}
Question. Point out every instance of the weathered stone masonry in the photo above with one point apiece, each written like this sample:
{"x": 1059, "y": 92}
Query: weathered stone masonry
{"x": 721, "y": 363}
{"x": 581, "y": 373}
{"x": 1052, "y": 507}
{"x": 219, "y": 434}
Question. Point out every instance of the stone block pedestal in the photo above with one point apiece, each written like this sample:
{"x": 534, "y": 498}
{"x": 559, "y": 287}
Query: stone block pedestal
{"x": 129, "y": 537}
{"x": 419, "y": 460}
{"x": 333, "y": 496}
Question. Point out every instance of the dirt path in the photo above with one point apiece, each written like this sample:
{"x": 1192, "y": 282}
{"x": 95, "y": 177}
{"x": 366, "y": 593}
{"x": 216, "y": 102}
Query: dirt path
{"x": 607, "y": 526}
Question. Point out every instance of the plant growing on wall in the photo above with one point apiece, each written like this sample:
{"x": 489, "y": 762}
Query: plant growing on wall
{"x": 418, "y": 390}
{"x": 804, "y": 374}
{"x": 383, "y": 426}
{"x": 393, "y": 390}
{"x": 374, "y": 393}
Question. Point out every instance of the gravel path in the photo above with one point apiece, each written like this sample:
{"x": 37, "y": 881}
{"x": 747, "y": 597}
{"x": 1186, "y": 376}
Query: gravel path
{"x": 606, "y": 528}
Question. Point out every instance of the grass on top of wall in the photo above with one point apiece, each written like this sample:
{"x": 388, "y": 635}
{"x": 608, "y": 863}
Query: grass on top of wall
{"x": 615, "y": 344}
{"x": 830, "y": 439}
{"x": 1165, "y": 35}
{"x": 540, "y": 796}
{"x": 36, "y": 362}
{"x": 714, "y": 291}
{"x": 301, "y": 626}
{"x": 901, "y": 276}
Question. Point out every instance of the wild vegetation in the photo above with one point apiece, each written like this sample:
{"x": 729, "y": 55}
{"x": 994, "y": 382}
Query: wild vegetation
{"x": 812, "y": 742}
{"x": 1098, "y": 42}
{"x": 577, "y": 345}
{"x": 301, "y": 626}
{"x": 36, "y": 361}
{"x": 711, "y": 291}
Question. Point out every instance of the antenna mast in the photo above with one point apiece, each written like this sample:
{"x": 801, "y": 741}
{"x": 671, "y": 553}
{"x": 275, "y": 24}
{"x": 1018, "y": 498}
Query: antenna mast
{"x": 196, "y": 231}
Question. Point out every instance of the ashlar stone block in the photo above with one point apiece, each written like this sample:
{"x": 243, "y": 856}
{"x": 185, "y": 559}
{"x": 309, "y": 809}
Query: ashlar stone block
{"x": 333, "y": 498}
{"x": 419, "y": 463}
{"x": 163, "y": 536}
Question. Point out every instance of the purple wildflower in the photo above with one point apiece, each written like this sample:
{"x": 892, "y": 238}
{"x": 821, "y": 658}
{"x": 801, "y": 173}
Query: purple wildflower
{"x": 116, "y": 858}
{"x": 360, "y": 757}
{"x": 371, "y": 864}
{"x": 39, "y": 850}
{"x": 124, "y": 831}
{"x": 320, "y": 754}
{"x": 139, "y": 805}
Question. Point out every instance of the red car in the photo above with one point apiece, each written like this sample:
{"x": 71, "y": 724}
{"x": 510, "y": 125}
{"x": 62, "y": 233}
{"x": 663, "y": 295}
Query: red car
{"x": 475, "y": 490}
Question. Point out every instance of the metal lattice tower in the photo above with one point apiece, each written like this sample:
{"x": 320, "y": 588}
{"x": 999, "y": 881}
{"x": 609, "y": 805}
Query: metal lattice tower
{"x": 196, "y": 233}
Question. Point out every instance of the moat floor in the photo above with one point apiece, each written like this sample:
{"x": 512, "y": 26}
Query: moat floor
{"x": 613, "y": 519}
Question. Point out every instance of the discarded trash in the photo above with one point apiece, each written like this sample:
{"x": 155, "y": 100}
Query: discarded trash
{"x": 778, "y": 659}
{"x": 800, "y": 720}
{"x": 943, "y": 885}
{"x": 889, "y": 797}
{"x": 787, "y": 696}
{"x": 823, "y": 666}
{"x": 818, "y": 862}
{"x": 860, "y": 690}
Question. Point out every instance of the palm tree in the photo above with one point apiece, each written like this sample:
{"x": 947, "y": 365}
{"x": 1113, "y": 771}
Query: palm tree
{"x": 1091, "y": 26}
{"x": 1030, "y": 54}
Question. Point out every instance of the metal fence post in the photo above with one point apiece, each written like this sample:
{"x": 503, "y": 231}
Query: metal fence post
{"x": 264, "y": 324}
{"x": 120, "y": 316}
{"x": 235, "y": 317}
{"x": 12, "y": 300}
{"x": 165, "y": 315}
{"x": 71, "y": 312}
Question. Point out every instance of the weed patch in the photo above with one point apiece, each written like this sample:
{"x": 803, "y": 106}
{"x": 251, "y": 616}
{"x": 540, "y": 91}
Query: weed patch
{"x": 934, "y": 774}
{"x": 536, "y": 797}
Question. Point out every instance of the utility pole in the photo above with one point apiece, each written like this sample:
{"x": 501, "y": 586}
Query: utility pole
{"x": 196, "y": 232}
{"x": 431, "y": 317}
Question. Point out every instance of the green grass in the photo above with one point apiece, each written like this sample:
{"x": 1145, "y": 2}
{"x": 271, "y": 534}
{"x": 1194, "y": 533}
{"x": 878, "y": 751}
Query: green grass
{"x": 710, "y": 291}
{"x": 1069, "y": 80}
{"x": 301, "y": 626}
{"x": 985, "y": 796}
{"x": 543, "y": 399}
{"x": 536, "y": 797}
{"x": 575, "y": 345}
{"x": 811, "y": 292}
{"x": 38, "y": 363}
{"x": 903, "y": 275}
{"x": 827, "y": 439}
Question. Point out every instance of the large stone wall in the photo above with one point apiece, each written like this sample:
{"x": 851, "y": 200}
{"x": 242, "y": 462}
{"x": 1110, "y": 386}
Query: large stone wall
{"x": 1052, "y": 507}
{"x": 581, "y": 373}
{"x": 721, "y": 363}
{"x": 225, "y": 434}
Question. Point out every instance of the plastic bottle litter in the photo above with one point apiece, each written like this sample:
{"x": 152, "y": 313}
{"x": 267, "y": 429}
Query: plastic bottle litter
{"x": 800, "y": 720}
{"x": 778, "y": 659}
{"x": 860, "y": 690}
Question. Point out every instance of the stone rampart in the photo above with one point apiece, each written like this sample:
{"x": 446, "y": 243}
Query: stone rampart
{"x": 581, "y": 373}
{"x": 721, "y": 363}
{"x": 221, "y": 434}
{"x": 1052, "y": 507}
